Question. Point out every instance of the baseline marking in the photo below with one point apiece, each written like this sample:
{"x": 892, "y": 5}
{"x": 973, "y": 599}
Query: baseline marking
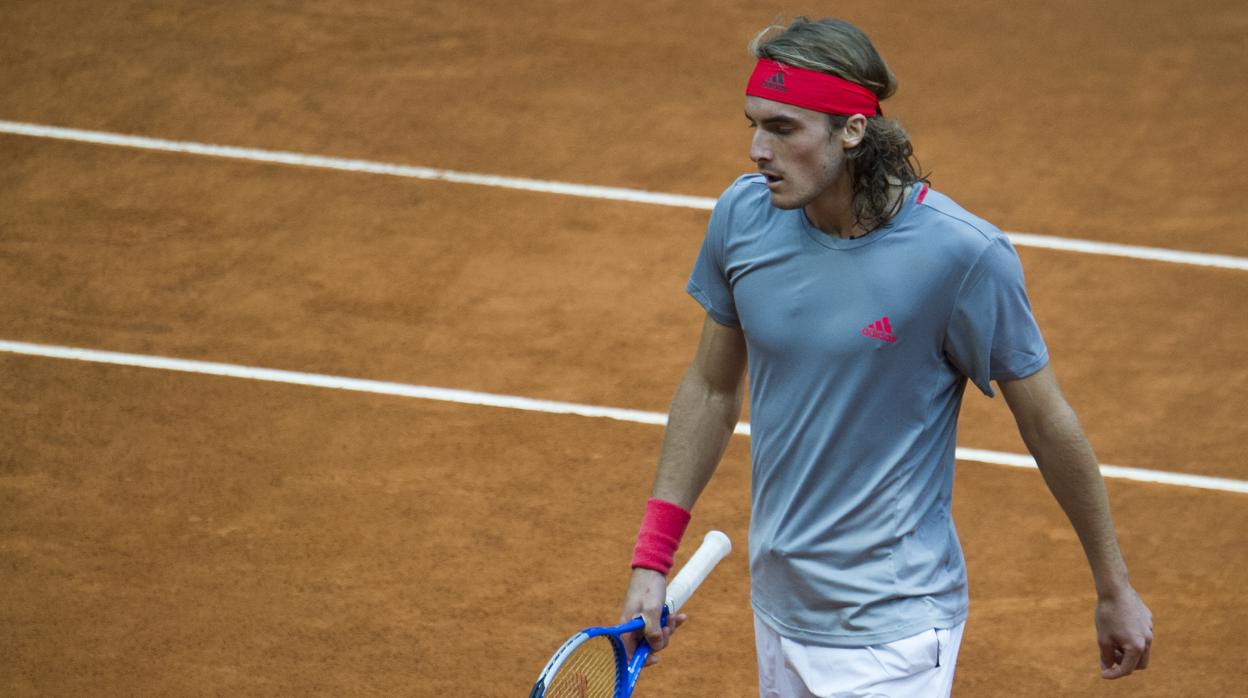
{"x": 514, "y": 402}
{"x": 1155, "y": 254}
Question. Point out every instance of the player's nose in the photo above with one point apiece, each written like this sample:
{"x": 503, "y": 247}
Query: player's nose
{"x": 759, "y": 152}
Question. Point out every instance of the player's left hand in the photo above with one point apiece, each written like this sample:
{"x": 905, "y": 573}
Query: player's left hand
{"x": 1124, "y": 630}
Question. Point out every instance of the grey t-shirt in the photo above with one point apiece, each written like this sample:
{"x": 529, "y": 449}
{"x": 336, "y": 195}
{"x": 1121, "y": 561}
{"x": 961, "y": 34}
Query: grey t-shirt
{"x": 859, "y": 352}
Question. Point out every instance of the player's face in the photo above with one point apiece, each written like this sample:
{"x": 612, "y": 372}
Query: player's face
{"x": 796, "y": 150}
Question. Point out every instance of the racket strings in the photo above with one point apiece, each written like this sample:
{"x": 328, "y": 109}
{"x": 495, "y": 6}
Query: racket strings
{"x": 589, "y": 672}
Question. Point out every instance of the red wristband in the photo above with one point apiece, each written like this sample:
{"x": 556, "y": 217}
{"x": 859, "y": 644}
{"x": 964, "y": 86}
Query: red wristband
{"x": 661, "y": 530}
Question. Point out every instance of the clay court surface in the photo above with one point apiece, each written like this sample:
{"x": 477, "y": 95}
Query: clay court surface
{"x": 172, "y": 533}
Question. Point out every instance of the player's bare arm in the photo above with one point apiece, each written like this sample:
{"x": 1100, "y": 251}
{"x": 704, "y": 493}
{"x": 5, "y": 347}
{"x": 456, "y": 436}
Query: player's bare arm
{"x": 702, "y": 418}
{"x": 703, "y": 415}
{"x": 1056, "y": 439}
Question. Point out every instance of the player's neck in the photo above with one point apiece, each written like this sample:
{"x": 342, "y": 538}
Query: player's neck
{"x": 833, "y": 210}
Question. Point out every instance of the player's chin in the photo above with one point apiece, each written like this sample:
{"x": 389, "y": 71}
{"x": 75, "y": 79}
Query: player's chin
{"x": 787, "y": 196}
{"x": 787, "y": 203}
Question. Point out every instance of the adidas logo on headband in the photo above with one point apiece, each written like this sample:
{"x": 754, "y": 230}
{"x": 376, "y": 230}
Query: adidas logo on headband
{"x": 776, "y": 82}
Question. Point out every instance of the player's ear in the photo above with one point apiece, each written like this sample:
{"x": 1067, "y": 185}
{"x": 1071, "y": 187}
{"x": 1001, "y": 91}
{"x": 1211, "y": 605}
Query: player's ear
{"x": 854, "y": 131}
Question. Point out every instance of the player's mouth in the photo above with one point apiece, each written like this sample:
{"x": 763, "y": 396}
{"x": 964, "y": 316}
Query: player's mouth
{"x": 773, "y": 180}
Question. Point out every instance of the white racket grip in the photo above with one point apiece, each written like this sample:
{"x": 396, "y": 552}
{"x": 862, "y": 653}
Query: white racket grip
{"x": 715, "y": 546}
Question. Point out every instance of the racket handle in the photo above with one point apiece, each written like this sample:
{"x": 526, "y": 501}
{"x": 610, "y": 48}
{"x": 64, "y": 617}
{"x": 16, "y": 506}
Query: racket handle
{"x": 713, "y": 549}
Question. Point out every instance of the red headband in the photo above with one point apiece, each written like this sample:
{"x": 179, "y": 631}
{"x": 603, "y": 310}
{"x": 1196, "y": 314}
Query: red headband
{"x": 810, "y": 89}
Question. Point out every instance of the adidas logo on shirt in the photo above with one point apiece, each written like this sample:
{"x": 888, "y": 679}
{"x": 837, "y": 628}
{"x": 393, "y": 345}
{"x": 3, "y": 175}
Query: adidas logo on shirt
{"x": 881, "y": 330}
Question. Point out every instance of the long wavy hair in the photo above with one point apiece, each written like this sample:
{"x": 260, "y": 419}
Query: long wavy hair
{"x": 885, "y": 156}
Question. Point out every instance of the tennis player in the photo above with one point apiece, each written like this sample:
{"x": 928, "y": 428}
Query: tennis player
{"x": 862, "y": 301}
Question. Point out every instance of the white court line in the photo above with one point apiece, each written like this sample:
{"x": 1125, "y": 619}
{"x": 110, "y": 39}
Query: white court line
{"x": 349, "y": 165}
{"x": 467, "y": 397}
{"x": 1155, "y": 254}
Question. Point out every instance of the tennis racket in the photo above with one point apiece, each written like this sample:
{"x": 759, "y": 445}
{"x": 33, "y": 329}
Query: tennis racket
{"x": 594, "y": 664}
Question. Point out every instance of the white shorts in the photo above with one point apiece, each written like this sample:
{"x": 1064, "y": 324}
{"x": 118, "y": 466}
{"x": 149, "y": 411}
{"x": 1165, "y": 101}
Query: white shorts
{"x": 919, "y": 666}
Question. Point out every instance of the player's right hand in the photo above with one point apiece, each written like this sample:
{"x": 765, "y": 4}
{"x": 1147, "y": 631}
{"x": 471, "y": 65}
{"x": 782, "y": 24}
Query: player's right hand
{"x": 647, "y": 592}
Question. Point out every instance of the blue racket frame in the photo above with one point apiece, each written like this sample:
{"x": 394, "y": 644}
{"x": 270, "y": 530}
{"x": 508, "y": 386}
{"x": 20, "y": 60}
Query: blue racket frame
{"x": 627, "y": 669}
{"x": 713, "y": 549}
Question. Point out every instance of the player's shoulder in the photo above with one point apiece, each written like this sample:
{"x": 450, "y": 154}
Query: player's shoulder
{"x": 955, "y": 221}
{"x": 746, "y": 190}
{"x": 958, "y": 229}
{"x": 745, "y": 204}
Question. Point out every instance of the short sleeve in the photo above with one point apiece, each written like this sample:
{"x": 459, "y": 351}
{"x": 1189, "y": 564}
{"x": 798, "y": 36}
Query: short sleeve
{"x": 708, "y": 283}
{"x": 992, "y": 334}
